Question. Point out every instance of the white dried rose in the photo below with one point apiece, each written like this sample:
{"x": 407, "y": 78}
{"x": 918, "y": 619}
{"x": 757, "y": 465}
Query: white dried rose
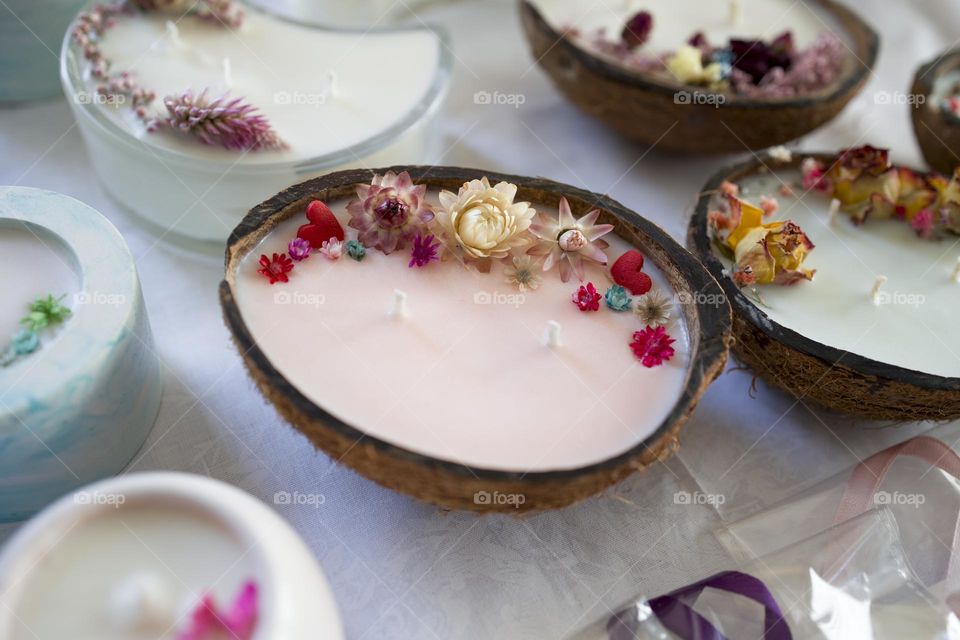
{"x": 484, "y": 222}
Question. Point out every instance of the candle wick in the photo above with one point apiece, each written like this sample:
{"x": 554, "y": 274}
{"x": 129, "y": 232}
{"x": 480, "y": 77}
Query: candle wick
{"x": 400, "y": 309}
{"x": 227, "y": 73}
{"x": 875, "y": 294}
{"x": 736, "y": 12}
{"x": 333, "y": 84}
{"x": 552, "y": 336}
{"x": 174, "y": 34}
{"x": 834, "y": 210}
{"x": 956, "y": 271}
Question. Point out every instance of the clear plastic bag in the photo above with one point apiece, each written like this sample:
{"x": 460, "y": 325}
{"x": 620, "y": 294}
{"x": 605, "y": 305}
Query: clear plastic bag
{"x": 851, "y": 582}
{"x": 917, "y": 481}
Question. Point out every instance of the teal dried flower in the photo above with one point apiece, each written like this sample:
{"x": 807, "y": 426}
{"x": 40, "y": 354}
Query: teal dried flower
{"x": 25, "y": 341}
{"x": 45, "y": 312}
{"x": 7, "y": 356}
{"x": 356, "y": 250}
{"x": 617, "y": 298}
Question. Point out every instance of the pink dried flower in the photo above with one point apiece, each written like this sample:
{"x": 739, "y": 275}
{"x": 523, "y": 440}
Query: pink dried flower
{"x": 815, "y": 177}
{"x": 652, "y": 346}
{"x": 424, "y": 251}
{"x": 299, "y": 249}
{"x": 729, "y": 188}
{"x": 389, "y": 212}
{"x": 769, "y": 205}
{"x": 587, "y": 298}
{"x": 569, "y": 241}
{"x": 787, "y": 191}
{"x": 331, "y": 249}
{"x": 923, "y": 222}
{"x": 225, "y": 122}
{"x": 810, "y": 70}
{"x": 208, "y": 622}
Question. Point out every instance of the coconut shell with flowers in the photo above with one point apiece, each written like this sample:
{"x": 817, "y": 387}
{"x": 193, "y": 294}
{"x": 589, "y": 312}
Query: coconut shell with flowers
{"x": 841, "y": 271}
{"x": 705, "y": 96}
{"x": 468, "y": 341}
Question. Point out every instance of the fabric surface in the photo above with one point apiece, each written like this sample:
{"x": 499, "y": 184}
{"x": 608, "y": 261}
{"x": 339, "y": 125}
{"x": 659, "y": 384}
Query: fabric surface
{"x": 402, "y": 569}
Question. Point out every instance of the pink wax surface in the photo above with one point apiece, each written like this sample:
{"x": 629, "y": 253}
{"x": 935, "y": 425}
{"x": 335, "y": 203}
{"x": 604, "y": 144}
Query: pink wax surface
{"x": 467, "y": 377}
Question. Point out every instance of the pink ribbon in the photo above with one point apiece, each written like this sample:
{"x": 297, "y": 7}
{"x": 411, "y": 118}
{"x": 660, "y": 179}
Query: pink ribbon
{"x": 859, "y": 496}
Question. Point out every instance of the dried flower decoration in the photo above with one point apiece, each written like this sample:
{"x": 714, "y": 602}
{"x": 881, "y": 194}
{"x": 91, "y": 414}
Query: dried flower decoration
{"x": 45, "y": 312}
{"x": 425, "y": 251}
{"x": 25, "y": 341}
{"x": 299, "y": 249}
{"x": 617, "y": 298}
{"x": 389, "y": 211}
{"x": 652, "y": 346}
{"x": 356, "y": 250}
{"x": 637, "y": 30}
{"x": 275, "y": 269}
{"x": 569, "y": 241}
{"x": 331, "y": 249}
{"x": 653, "y": 309}
{"x": 482, "y": 223}
{"x": 209, "y": 622}
{"x": 771, "y": 253}
{"x": 224, "y": 122}
{"x": 524, "y": 273}
{"x": 587, "y": 298}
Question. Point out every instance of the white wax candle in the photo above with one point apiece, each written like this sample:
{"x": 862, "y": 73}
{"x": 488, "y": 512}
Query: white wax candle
{"x": 674, "y": 21}
{"x": 913, "y": 325}
{"x": 283, "y": 69}
{"x": 33, "y": 264}
{"x": 76, "y": 590}
{"x": 467, "y": 377}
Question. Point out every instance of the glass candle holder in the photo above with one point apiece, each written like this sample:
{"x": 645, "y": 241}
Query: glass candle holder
{"x": 194, "y": 194}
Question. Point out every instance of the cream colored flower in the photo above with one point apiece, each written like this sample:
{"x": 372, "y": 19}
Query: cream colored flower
{"x": 686, "y": 65}
{"x": 524, "y": 273}
{"x": 653, "y": 309}
{"x": 483, "y": 223}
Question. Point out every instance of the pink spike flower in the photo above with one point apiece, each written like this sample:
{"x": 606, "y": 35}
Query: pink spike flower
{"x": 569, "y": 241}
{"x": 224, "y": 122}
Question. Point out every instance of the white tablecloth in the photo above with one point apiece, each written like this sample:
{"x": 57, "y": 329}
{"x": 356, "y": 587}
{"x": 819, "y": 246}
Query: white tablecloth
{"x": 402, "y": 569}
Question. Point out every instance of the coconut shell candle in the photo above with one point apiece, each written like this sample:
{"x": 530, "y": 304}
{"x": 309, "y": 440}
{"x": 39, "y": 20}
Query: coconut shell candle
{"x": 79, "y": 377}
{"x": 704, "y": 77}
{"x": 935, "y": 96}
{"x": 164, "y": 556}
{"x": 223, "y": 106}
{"x": 842, "y": 274}
{"x": 484, "y": 342}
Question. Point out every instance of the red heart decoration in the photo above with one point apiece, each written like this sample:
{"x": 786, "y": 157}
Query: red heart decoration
{"x": 627, "y": 272}
{"x": 323, "y": 225}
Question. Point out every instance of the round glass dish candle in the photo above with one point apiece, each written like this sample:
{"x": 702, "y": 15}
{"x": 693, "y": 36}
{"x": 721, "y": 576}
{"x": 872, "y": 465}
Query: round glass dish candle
{"x": 843, "y": 272}
{"x": 485, "y": 342}
{"x": 704, "y": 77}
{"x": 162, "y": 556}
{"x": 79, "y": 379}
{"x": 30, "y": 37}
{"x": 221, "y": 107}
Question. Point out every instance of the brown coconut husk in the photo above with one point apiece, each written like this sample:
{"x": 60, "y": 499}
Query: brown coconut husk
{"x": 445, "y": 482}
{"x": 937, "y": 135}
{"x": 646, "y": 110}
{"x": 809, "y": 370}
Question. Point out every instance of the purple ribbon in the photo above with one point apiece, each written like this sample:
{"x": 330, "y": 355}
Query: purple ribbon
{"x": 681, "y": 619}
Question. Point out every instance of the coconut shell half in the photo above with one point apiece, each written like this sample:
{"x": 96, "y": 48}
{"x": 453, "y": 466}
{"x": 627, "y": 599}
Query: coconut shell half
{"x": 807, "y": 369}
{"x": 655, "y": 112}
{"x": 445, "y": 482}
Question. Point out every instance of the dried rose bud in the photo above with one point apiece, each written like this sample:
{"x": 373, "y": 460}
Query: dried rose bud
{"x": 637, "y": 29}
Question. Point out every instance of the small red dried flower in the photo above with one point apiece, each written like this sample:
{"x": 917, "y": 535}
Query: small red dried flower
{"x": 275, "y": 269}
{"x": 587, "y": 298}
{"x": 637, "y": 29}
{"x": 652, "y": 346}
